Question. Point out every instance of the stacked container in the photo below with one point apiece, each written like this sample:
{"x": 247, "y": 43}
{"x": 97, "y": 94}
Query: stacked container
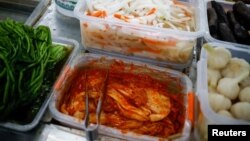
{"x": 166, "y": 47}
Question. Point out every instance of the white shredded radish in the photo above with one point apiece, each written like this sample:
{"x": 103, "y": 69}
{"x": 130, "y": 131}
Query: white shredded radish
{"x": 132, "y": 40}
{"x": 159, "y": 13}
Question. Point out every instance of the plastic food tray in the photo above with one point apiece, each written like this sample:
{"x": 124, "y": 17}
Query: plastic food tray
{"x": 178, "y": 56}
{"x": 206, "y": 115}
{"x": 226, "y": 5}
{"x": 71, "y": 44}
{"x": 76, "y": 123}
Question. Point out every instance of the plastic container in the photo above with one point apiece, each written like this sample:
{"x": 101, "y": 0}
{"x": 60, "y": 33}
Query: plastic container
{"x": 227, "y": 6}
{"x": 65, "y": 80}
{"x": 71, "y": 44}
{"x": 66, "y": 7}
{"x": 173, "y": 48}
{"x": 206, "y": 114}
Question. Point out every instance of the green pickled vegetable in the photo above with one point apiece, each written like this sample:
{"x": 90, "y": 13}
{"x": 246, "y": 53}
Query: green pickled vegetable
{"x": 27, "y": 55}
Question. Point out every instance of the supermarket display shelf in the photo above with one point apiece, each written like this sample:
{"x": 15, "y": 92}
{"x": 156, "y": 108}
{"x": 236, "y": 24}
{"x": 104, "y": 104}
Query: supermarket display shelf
{"x": 45, "y": 13}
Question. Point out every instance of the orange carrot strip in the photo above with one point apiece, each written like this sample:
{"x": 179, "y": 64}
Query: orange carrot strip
{"x": 96, "y": 13}
{"x": 191, "y": 102}
{"x": 97, "y": 35}
{"x": 152, "y": 11}
{"x": 177, "y": 2}
{"x": 140, "y": 49}
{"x": 153, "y": 50}
{"x": 88, "y": 13}
{"x": 117, "y": 15}
{"x": 150, "y": 41}
{"x": 157, "y": 42}
{"x": 121, "y": 17}
{"x": 104, "y": 14}
{"x": 134, "y": 49}
{"x": 99, "y": 13}
{"x": 85, "y": 25}
{"x": 187, "y": 14}
{"x": 181, "y": 4}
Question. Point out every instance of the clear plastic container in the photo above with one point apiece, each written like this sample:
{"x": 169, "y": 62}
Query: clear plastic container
{"x": 71, "y": 44}
{"x": 161, "y": 46}
{"x": 206, "y": 114}
{"x": 65, "y": 80}
{"x": 227, "y": 6}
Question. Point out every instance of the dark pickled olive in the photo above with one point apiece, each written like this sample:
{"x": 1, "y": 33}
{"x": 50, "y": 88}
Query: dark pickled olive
{"x": 212, "y": 22}
{"x": 225, "y": 33}
{"x": 222, "y": 17}
{"x": 242, "y": 14}
{"x": 240, "y": 33}
{"x": 245, "y": 1}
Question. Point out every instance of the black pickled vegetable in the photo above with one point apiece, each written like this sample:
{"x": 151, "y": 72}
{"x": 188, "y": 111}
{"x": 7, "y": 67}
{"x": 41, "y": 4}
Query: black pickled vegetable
{"x": 222, "y": 18}
{"x": 240, "y": 33}
{"x": 26, "y": 56}
{"x": 225, "y": 33}
{"x": 242, "y": 14}
{"x": 212, "y": 22}
{"x": 245, "y": 1}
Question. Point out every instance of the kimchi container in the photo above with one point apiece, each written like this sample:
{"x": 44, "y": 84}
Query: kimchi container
{"x": 160, "y": 46}
{"x": 22, "y": 126}
{"x": 205, "y": 114}
{"x": 179, "y": 117}
{"x": 227, "y": 5}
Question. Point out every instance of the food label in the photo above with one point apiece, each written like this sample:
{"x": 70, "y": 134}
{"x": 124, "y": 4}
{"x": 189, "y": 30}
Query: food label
{"x": 66, "y": 4}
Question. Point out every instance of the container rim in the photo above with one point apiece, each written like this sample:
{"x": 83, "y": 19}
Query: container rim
{"x": 181, "y": 34}
{"x": 176, "y": 66}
